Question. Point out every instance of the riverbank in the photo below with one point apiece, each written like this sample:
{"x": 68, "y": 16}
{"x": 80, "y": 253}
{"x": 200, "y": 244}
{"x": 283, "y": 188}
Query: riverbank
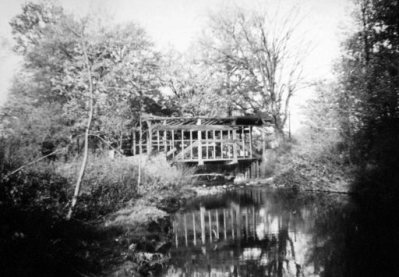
{"x": 121, "y": 226}
{"x": 119, "y": 218}
{"x": 301, "y": 167}
{"x": 142, "y": 246}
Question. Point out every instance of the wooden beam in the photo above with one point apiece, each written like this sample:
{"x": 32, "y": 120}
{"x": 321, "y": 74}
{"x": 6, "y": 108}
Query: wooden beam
{"x": 207, "y": 145}
{"x": 164, "y": 138}
{"x": 250, "y": 142}
{"x": 165, "y": 141}
{"x": 158, "y": 142}
{"x": 191, "y": 127}
{"x": 243, "y": 141}
{"x": 182, "y": 142}
{"x": 191, "y": 145}
{"x": 251, "y": 119}
{"x": 229, "y": 145}
{"x": 215, "y": 144}
{"x": 173, "y": 143}
{"x": 200, "y": 161}
{"x": 149, "y": 139}
{"x": 235, "y": 149}
{"x": 221, "y": 144}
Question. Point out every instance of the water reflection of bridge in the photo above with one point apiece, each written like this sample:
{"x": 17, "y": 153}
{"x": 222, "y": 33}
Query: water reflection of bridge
{"x": 243, "y": 221}
{"x": 247, "y": 230}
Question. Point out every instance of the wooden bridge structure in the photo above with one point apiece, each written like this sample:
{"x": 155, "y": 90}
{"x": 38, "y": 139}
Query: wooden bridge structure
{"x": 201, "y": 139}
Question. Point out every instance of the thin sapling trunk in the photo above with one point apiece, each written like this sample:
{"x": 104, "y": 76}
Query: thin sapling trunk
{"x": 86, "y": 136}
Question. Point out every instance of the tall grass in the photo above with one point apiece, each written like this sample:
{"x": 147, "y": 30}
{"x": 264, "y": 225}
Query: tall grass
{"x": 157, "y": 173}
{"x": 109, "y": 184}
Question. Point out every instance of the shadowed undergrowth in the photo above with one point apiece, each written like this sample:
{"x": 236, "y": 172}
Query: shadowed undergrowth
{"x": 36, "y": 240}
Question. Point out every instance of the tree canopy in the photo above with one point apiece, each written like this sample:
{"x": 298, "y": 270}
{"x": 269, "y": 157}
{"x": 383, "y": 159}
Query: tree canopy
{"x": 258, "y": 60}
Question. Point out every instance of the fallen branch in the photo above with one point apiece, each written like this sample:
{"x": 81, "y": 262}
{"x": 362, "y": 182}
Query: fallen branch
{"x": 30, "y": 163}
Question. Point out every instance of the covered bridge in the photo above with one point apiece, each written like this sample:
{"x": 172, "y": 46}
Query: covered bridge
{"x": 201, "y": 139}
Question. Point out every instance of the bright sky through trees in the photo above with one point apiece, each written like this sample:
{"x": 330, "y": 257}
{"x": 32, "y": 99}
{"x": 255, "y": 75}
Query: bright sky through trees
{"x": 177, "y": 23}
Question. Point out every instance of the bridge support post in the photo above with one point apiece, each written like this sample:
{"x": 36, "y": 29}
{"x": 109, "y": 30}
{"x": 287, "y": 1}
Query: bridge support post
{"x": 250, "y": 142}
{"x": 235, "y": 148}
{"x": 200, "y": 161}
{"x": 149, "y": 139}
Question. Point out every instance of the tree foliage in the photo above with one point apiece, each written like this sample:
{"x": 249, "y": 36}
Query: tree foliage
{"x": 370, "y": 75}
{"x": 258, "y": 60}
{"x": 123, "y": 64}
{"x": 369, "y": 99}
{"x": 193, "y": 87}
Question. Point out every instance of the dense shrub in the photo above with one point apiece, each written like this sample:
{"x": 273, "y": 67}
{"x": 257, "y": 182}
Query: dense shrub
{"x": 107, "y": 184}
{"x": 313, "y": 165}
{"x": 32, "y": 190}
{"x": 35, "y": 239}
{"x": 378, "y": 173}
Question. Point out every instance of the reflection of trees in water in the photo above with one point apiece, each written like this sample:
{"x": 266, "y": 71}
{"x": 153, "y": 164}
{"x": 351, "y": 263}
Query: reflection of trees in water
{"x": 358, "y": 240}
{"x": 280, "y": 256}
{"x": 327, "y": 240}
{"x": 241, "y": 237}
{"x": 275, "y": 234}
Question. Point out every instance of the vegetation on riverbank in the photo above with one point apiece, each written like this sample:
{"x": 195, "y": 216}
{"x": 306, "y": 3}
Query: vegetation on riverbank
{"x": 302, "y": 167}
{"x": 115, "y": 215}
{"x": 83, "y": 78}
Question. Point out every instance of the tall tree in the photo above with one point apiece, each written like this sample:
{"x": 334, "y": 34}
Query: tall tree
{"x": 369, "y": 74}
{"x": 191, "y": 84}
{"x": 260, "y": 57}
{"x": 92, "y": 73}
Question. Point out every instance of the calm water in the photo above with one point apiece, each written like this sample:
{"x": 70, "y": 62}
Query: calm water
{"x": 255, "y": 232}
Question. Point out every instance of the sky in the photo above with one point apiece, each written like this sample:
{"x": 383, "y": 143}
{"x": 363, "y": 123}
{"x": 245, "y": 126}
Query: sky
{"x": 177, "y": 23}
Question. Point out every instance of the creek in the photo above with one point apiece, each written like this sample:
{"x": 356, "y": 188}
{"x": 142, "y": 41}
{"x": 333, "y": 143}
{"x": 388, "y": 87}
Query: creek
{"x": 260, "y": 232}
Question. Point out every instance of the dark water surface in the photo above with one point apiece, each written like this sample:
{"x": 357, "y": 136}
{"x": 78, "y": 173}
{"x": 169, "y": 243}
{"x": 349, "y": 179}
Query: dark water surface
{"x": 256, "y": 232}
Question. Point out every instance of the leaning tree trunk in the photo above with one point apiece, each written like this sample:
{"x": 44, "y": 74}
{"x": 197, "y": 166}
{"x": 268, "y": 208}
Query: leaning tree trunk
{"x": 86, "y": 137}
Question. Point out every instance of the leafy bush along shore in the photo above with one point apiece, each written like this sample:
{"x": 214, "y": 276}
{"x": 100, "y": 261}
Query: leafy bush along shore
{"x": 110, "y": 184}
{"x": 114, "y": 212}
{"x": 310, "y": 167}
